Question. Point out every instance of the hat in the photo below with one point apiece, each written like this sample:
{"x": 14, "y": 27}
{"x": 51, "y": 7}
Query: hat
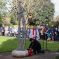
{"x": 30, "y": 39}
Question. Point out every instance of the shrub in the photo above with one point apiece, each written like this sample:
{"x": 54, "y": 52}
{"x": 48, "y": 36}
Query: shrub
{"x": 57, "y": 57}
{"x": 56, "y": 24}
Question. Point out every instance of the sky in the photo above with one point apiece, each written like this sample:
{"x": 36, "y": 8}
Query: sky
{"x": 56, "y": 5}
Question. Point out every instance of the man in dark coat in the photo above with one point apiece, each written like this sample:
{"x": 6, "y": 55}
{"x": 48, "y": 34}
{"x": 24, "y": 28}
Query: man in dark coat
{"x": 36, "y": 46}
{"x": 52, "y": 32}
{"x": 3, "y": 30}
{"x": 58, "y": 31}
{"x": 57, "y": 34}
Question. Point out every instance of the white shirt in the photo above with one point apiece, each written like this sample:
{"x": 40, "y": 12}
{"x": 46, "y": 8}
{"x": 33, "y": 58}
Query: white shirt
{"x": 31, "y": 34}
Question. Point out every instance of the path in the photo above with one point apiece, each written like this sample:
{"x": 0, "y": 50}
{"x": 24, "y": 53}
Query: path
{"x": 47, "y": 55}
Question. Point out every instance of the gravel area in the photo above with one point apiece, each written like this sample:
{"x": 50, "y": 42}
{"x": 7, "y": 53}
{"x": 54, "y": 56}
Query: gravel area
{"x": 46, "y": 55}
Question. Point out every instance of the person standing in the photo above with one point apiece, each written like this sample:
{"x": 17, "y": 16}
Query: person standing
{"x": 16, "y": 32}
{"x": 42, "y": 33}
{"x": 58, "y": 30}
{"x": 10, "y": 31}
{"x": 39, "y": 30}
{"x": 52, "y": 32}
{"x": 6, "y": 30}
{"x": 48, "y": 33}
{"x": 21, "y": 31}
{"x": 56, "y": 34}
{"x": 13, "y": 30}
{"x": 28, "y": 31}
{"x": 45, "y": 33}
{"x": 3, "y": 30}
{"x": 34, "y": 33}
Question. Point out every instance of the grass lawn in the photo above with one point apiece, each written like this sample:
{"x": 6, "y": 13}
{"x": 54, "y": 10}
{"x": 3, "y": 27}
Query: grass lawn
{"x": 7, "y": 45}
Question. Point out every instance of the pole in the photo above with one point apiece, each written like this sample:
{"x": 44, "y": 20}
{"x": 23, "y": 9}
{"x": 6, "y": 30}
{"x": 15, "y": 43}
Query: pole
{"x": 43, "y": 44}
{"x": 46, "y": 41}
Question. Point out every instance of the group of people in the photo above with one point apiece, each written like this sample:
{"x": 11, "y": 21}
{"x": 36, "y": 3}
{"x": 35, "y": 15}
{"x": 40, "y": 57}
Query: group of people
{"x": 44, "y": 33}
{"x": 34, "y": 34}
{"x": 41, "y": 33}
{"x": 8, "y": 31}
{"x": 37, "y": 33}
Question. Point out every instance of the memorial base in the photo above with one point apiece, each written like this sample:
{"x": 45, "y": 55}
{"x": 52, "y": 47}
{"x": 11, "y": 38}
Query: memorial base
{"x": 20, "y": 53}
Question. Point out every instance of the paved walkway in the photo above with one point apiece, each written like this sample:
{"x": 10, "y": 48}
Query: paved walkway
{"x": 46, "y": 55}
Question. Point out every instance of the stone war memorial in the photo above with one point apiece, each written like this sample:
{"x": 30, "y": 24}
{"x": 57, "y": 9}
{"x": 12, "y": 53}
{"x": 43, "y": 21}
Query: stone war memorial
{"x": 21, "y": 52}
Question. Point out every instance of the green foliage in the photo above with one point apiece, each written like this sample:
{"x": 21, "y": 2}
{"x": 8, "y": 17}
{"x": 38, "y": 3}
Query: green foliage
{"x": 57, "y": 57}
{"x": 36, "y": 11}
{"x": 10, "y": 24}
{"x": 10, "y": 44}
{"x": 47, "y": 14}
{"x": 13, "y": 19}
{"x": 44, "y": 15}
{"x": 56, "y": 24}
{"x": 50, "y": 24}
{"x": 0, "y": 18}
{"x": 2, "y": 10}
{"x": 2, "y": 4}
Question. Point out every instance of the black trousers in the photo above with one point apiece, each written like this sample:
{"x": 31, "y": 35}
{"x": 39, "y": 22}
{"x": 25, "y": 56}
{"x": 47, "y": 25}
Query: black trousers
{"x": 52, "y": 36}
{"x": 3, "y": 33}
{"x": 38, "y": 50}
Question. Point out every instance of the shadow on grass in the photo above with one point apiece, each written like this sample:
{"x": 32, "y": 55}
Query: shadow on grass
{"x": 10, "y": 44}
{"x": 7, "y": 45}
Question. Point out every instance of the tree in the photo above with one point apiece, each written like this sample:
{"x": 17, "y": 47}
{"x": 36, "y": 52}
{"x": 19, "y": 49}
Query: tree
{"x": 36, "y": 11}
{"x": 2, "y": 10}
{"x": 30, "y": 7}
{"x": 45, "y": 14}
{"x": 56, "y": 18}
{"x": 13, "y": 11}
{"x": 13, "y": 19}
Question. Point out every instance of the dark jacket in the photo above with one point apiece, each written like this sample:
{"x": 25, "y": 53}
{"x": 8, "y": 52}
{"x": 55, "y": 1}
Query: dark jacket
{"x": 52, "y": 30}
{"x": 35, "y": 45}
{"x": 58, "y": 31}
{"x": 21, "y": 31}
{"x": 39, "y": 30}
